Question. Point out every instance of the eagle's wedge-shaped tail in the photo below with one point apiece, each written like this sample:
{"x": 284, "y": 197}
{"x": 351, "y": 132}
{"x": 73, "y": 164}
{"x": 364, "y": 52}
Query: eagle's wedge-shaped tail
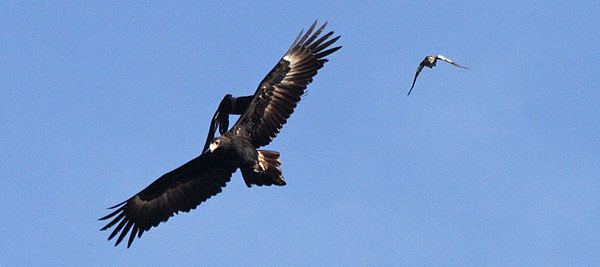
{"x": 268, "y": 171}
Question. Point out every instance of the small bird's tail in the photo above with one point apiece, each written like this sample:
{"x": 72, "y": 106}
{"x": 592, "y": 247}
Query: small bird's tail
{"x": 269, "y": 172}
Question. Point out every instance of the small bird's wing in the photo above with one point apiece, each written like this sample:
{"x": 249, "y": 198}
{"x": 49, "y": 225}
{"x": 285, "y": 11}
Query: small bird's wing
{"x": 416, "y": 75}
{"x": 241, "y": 104}
{"x": 229, "y": 105}
{"x": 214, "y": 124}
{"x": 450, "y": 61}
{"x": 182, "y": 189}
{"x": 279, "y": 92}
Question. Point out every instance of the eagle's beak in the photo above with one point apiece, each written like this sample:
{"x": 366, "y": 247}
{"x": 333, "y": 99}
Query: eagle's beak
{"x": 212, "y": 147}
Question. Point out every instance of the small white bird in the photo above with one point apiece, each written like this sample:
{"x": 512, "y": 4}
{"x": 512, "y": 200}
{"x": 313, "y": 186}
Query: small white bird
{"x": 430, "y": 62}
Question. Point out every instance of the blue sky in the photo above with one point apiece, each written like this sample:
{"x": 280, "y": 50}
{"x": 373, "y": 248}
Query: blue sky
{"x": 493, "y": 166}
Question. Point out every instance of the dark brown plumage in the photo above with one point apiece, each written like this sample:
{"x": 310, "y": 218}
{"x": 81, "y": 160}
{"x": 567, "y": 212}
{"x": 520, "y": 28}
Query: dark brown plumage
{"x": 193, "y": 183}
{"x": 429, "y": 62}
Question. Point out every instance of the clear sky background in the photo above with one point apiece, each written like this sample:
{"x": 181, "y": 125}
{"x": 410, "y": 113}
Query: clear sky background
{"x": 497, "y": 165}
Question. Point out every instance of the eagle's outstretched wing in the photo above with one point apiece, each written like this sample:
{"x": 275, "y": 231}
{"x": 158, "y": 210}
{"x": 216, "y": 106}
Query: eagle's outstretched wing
{"x": 182, "y": 189}
{"x": 279, "y": 92}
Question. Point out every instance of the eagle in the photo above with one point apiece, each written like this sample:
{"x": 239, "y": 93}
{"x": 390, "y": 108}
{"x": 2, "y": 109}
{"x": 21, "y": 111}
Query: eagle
{"x": 263, "y": 116}
{"x": 429, "y": 62}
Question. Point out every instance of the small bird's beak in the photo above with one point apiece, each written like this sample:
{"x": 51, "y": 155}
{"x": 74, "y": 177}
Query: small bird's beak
{"x": 212, "y": 147}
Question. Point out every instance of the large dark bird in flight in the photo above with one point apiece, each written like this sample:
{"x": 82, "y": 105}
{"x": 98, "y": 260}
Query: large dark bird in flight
{"x": 271, "y": 105}
{"x": 430, "y": 61}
